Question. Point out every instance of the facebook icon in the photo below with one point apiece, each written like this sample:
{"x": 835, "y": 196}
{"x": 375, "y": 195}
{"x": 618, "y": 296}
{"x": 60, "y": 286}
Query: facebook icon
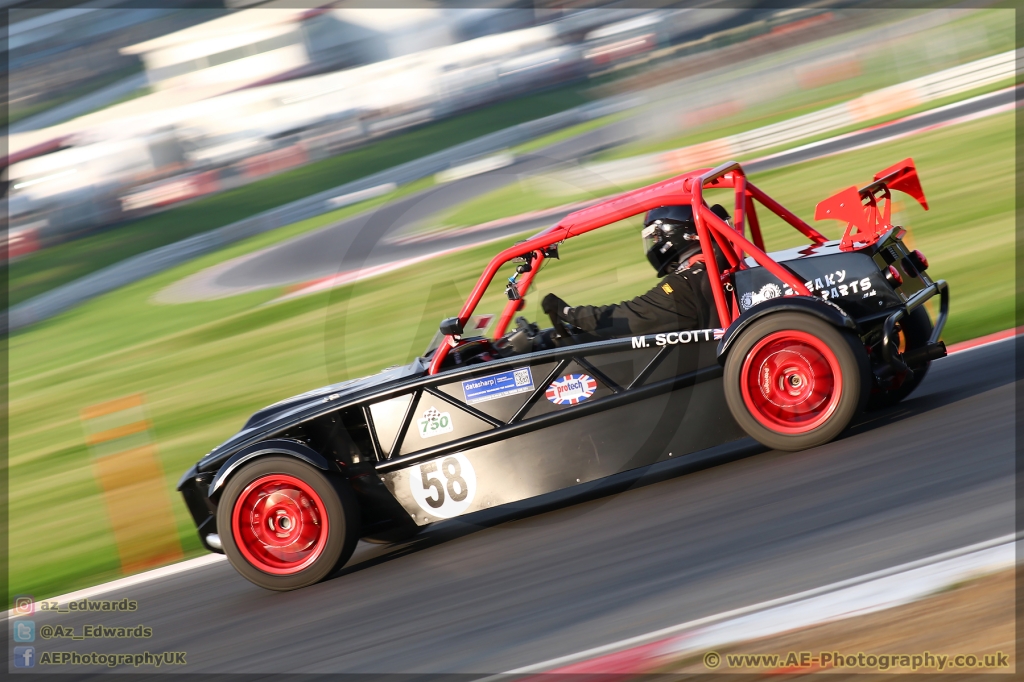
{"x": 24, "y": 656}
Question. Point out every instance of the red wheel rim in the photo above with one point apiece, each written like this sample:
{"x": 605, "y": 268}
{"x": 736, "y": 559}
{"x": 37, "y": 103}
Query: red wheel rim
{"x": 279, "y": 524}
{"x": 791, "y": 382}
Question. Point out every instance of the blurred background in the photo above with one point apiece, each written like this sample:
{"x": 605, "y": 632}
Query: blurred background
{"x": 211, "y": 209}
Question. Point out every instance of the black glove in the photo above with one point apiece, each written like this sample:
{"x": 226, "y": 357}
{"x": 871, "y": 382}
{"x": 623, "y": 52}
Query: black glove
{"x": 552, "y": 305}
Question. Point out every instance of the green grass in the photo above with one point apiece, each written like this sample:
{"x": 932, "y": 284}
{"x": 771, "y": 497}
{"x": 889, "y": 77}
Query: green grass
{"x": 204, "y": 367}
{"x": 52, "y": 267}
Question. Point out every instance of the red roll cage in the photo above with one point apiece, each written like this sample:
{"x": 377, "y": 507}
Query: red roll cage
{"x": 864, "y": 227}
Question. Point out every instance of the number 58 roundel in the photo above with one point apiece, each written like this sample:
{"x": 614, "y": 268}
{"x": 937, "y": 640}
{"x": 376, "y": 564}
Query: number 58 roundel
{"x": 443, "y": 487}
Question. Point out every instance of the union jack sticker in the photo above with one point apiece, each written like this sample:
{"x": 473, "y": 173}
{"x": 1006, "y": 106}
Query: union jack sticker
{"x": 571, "y": 389}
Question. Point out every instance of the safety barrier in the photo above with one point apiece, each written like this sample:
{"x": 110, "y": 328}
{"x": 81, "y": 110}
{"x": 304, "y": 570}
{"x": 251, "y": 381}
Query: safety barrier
{"x": 867, "y": 107}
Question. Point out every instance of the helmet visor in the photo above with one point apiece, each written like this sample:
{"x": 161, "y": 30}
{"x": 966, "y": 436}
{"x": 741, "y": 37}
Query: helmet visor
{"x": 651, "y": 236}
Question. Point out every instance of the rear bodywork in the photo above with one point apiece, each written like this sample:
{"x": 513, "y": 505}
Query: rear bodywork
{"x": 474, "y": 425}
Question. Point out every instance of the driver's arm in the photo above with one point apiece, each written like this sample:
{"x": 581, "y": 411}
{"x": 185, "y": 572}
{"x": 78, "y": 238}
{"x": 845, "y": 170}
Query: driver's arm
{"x": 671, "y": 305}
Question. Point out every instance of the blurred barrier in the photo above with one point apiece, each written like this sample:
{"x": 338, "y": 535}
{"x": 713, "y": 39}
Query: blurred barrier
{"x": 362, "y": 195}
{"x": 20, "y": 242}
{"x": 57, "y": 300}
{"x": 274, "y": 161}
{"x": 867, "y": 107}
{"x": 172, "y": 191}
{"x": 129, "y": 472}
{"x": 488, "y": 163}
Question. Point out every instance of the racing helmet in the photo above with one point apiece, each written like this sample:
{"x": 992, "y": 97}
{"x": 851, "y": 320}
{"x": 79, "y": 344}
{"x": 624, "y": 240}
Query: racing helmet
{"x": 669, "y": 236}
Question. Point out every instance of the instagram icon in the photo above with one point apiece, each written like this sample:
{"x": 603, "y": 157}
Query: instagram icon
{"x": 24, "y": 605}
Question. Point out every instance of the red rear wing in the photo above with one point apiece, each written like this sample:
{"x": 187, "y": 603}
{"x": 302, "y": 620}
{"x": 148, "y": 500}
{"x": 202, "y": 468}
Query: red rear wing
{"x": 865, "y": 221}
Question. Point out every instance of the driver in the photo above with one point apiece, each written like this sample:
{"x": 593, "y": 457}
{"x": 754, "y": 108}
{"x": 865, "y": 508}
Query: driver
{"x": 682, "y": 300}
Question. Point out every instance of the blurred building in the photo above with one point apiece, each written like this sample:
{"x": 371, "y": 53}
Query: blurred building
{"x": 58, "y": 51}
{"x": 260, "y": 91}
{"x": 263, "y": 45}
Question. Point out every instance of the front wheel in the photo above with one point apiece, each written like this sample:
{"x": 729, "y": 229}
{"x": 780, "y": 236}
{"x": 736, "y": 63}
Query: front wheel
{"x": 793, "y": 381}
{"x": 286, "y": 525}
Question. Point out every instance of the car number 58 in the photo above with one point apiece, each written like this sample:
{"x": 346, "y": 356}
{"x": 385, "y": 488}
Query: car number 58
{"x": 443, "y": 487}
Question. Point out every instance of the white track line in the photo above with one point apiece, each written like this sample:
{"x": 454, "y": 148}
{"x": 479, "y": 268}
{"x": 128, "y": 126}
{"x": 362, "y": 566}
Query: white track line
{"x": 137, "y": 579}
{"x": 664, "y": 633}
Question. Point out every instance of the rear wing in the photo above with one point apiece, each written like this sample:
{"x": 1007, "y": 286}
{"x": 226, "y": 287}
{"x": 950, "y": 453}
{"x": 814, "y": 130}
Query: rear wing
{"x": 866, "y": 220}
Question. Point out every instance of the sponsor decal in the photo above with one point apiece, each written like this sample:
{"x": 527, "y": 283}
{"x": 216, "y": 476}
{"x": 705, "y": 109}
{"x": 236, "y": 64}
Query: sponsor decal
{"x": 673, "y": 338}
{"x": 767, "y": 292}
{"x": 830, "y": 286}
{"x": 443, "y": 487}
{"x": 498, "y": 385}
{"x": 434, "y": 423}
{"x": 571, "y": 389}
{"x": 667, "y": 288}
{"x": 835, "y": 285}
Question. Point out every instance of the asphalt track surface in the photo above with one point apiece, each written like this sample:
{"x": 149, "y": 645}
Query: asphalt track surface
{"x": 367, "y": 240}
{"x": 513, "y": 586}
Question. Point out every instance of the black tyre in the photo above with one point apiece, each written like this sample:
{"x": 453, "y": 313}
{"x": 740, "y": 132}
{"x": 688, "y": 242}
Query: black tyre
{"x": 794, "y": 381}
{"x": 285, "y": 524}
{"x": 913, "y": 331}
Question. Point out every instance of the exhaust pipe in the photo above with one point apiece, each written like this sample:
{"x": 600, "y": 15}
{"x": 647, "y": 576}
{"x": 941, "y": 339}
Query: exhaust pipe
{"x": 919, "y": 356}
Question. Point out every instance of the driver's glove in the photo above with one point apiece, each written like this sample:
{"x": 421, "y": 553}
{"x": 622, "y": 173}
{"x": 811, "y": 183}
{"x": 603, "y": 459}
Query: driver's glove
{"x": 553, "y": 305}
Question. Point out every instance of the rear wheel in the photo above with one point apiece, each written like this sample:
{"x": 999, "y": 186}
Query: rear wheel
{"x": 285, "y": 525}
{"x": 793, "y": 381}
{"x": 913, "y": 331}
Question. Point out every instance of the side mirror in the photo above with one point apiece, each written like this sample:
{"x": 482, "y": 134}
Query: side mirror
{"x": 451, "y": 327}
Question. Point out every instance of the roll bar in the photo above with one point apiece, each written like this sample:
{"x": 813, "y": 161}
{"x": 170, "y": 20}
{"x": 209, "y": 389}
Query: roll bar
{"x": 712, "y": 231}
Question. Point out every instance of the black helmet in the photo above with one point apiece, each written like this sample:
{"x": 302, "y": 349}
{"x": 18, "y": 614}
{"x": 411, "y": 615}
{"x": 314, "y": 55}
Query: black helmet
{"x": 670, "y": 236}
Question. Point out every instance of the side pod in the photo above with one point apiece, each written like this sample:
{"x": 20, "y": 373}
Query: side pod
{"x": 278, "y": 446}
{"x": 812, "y": 305}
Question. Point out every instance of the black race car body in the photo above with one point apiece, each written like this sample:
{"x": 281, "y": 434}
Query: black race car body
{"x": 480, "y": 422}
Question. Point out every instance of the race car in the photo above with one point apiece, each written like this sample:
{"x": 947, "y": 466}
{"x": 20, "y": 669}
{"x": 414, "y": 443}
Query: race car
{"x": 812, "y": 336}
